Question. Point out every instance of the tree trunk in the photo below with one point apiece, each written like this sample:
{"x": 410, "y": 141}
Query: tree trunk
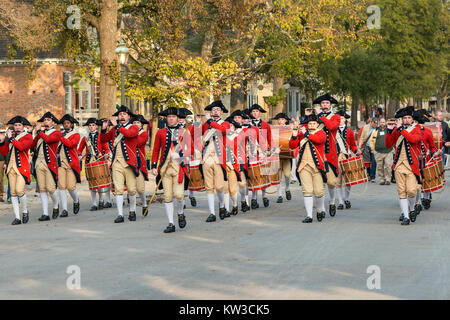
{"x": 155, "y": 129}
{"x": 107, "y": 28}
{"x": 238, "y": 97}
{"x": 277, "y": 85}
{"x": 354, "y": 119}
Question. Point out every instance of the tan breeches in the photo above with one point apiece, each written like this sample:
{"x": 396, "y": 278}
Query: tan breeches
{"x": 312, "y": 182}
{"x": 285, "y": 168}
{"x": 66, "y": 179}
{"x": 123, "y": 176}
{"x": 16, "y": 184}
{"x": 171, "y": 186}
{"x": 406, "y": 182}
{"x": 45, "y": 179}
{"x": 140, "y": 183}
{"x": 214, "y": 179}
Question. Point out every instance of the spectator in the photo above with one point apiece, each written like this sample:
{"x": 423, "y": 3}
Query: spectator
{"x": 444, "y": 129}
{"x": 383, "y": 155}
{"x": 364, "y": 144}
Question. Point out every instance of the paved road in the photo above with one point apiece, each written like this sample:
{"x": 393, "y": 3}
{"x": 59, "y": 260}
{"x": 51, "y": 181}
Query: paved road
{"x": 265, "y": 254}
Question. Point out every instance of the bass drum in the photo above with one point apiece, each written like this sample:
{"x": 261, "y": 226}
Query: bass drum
{"x": 98, "y": 175}
{"x": 353, "y": 171}
{"x": 196, "y": 182}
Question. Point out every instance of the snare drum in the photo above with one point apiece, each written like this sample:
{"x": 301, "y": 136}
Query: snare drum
{"x": 353, "y": 171}
{"x": 433, "y": 176}
{"x": 98, "y": 175}
{"x": 283, "y": 134}
{"x": 196, "y": 182}
{"x": 258, "y": 178}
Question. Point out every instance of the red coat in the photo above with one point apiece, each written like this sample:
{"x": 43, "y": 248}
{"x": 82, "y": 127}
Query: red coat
{"x": 412, "y": 141}
{"x": 141, "y": 143}
{"x": 97, "y": 145}
{"x": 222, "y": 129}
{"x": 349, "y": 140}
{"x": 50, "y": 144}
{"x": 128, "y": 143}
{"x": 429, "y": 148}
{"x": 316, "y": 142}
{"x": 331, "y": 127}
{"x": 161, "y": 150}
{"x": 20, "y": 151}
{"x": 264, "y": 135}
{"x": 70, "y": 145}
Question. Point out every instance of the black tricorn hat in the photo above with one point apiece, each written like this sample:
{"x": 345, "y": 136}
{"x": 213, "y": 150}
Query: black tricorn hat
{"x": 342, "y": 113}
{"x": 217, "y": 103}
{"x": 282, "y": 115}
{"x": 257, "y": 107}
{"x": 425, "y": 113}
{"x": 407, "y": 111}
{"x": 325, "y": 97}
{"x": 48, "y": 115}
{"x": 235, "y": 124}
{"x": 19, "y": 119}
{"x": 419, "y": 117}
{"x": 183, "y": 113}
{"x": 99, "y": 122}
{"x": 169, "y": 111}
{"x": 311, "y": 117}
{"x": 245, "y": 114}
{"x": 123, "y": 108}
{"x": 91, "y": 120}
{"x": 140, "y": 118}
{"x": 69, "y": 118}
{"x": 237, "y": 113}
{"x": 229, "y": 119}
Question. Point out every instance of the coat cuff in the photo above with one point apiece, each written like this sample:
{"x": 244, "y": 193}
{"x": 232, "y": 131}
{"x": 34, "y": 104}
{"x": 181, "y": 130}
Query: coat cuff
{"x": 154, "y": 165}
{"x": 307, "y": 133}
{"x": 400, "y": 129}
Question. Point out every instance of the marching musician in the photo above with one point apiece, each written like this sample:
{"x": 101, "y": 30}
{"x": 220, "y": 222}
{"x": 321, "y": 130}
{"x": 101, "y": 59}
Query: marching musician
{"x": 16, "y": 145}
{"x": 124, "y": 167}
{"x": 45, "y": 164}
{"x": 429, "y": 151}
{"x": 213, "y": 160}
{"x": 285, "y": 164}
{"x": 182, "y": 115}
{"x": 407, "y": 139}
{"x": 107, "y": 156}
{"x": 236, "y": 161}
{"x": 94, "y": 151}
{"x": 346, "y": 145}
{"x": 311, "y": 169}
{"x": 172, "y": 145}
{"x": 69, "y": 168}
{"x": 139, "y": 121}
{"x": 264, "y": 140}
{"x": 331, "y": 123}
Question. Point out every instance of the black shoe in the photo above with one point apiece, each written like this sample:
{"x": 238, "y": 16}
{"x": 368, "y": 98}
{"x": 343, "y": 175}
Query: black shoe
{"x": 25, "y": 217}
{"x": 44, "y": 218}
{"x": 265, "y": 202}
{"x": 412, "y": 216}
{"x": 100, "y": 205}
{"x": 418, "y": 208}
{"x": 144, "y": 211}
{"x": 426, "y": 204}
{"x": 402, "y": 216}
{"x": 222, "y": 213}
{"x": 288, "y": 195}
{"x": 55, "y": 213}
{"x": 320, "y": 216}
{"x": 280, "y": 200}
{"x": 2, "y": 200}
{"x": 76, "y": 207}
{"x": 64, "y": 214}
{"x": 211, "y": 218}
{"x": 307, "y": 220}
{"x": 193, "y": 201}
{"x": 340, "y": 207}
{"x": 132, "y": 216}
{"x": 405, "y": 222}
{"x": 254, "y": 204}
{"x": 93, "y": 208}
{"x": 244, "y": 206}
{"x": 348, "y": 205}
{"x": 16, "y": 221}
{"x": 234, "y": 211}
{"x": 181, "y": 221}
{"x": 108, "y": 205}
{"x": 332, "y": 210}
{"x": 119, "y": 219}
{"x": 170, "y": 228}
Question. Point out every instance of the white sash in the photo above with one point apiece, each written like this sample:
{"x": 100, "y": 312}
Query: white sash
{"x": 400, "y": 139}
{"x": 120, "y": 136}
{"x": 47, "y": 133}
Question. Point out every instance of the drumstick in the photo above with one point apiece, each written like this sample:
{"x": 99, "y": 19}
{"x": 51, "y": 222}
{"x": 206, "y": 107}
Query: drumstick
{"x": 153, "y": 196}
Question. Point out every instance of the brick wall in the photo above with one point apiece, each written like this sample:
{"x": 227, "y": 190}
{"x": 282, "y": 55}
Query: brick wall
{"x": 44, "y": 93}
